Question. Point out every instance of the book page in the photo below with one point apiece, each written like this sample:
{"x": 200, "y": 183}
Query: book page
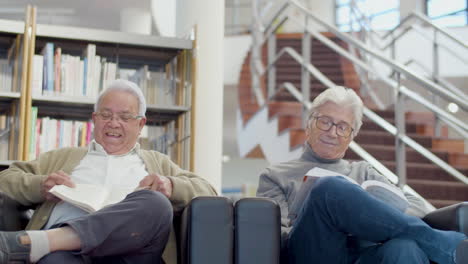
{"x": 319, "y": 172}
{"x": 88, "y": 197}
{"x": 387, "y": 193}
{"x": 117, "y": 194}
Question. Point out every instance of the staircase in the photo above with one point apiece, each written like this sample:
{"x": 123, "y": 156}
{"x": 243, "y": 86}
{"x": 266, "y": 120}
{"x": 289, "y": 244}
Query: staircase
{"x": 275, "y": 132}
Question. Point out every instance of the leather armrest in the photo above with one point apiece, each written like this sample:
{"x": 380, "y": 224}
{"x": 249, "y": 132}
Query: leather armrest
{"x": 206, "y": 232}
{"x": 257, "y": 231}
{"x": 453, "y": 217}
{"x": 13, "y": 216}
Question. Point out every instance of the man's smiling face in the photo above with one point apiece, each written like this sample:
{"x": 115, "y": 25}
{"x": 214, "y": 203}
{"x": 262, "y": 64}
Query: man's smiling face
{"x": 327, "y": 144}
{"x": 117, "y": 136}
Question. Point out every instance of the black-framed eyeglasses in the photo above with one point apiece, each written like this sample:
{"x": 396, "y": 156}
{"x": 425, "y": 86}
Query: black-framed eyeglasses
{"x": 124, "y": 117}
{"x": 325, "y": 123}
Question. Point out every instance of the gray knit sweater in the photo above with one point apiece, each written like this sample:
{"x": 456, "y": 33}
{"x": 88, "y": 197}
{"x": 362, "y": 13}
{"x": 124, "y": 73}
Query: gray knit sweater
{"x": 282, "y": 181}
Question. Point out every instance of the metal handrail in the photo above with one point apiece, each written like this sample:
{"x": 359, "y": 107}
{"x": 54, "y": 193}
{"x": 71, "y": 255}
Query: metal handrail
{"x": 433, "y": 87}
{"x": 390, "y": 128}
{"x": 402, "y": 90}
{"x": 366, "y": 27}
{"x": 444, "y": 83}
{"x": 387, "y": 80}
{"x": 428, "y": 22}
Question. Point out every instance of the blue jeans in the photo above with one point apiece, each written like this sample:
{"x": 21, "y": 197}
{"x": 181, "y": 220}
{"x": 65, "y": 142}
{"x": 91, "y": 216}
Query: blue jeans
{"x": 336, "y": 211}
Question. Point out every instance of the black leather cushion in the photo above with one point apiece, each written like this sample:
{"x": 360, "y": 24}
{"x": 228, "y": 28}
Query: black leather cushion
{"x": 13, "y": 216}
{"x": 207, "y": 231}
{"x": 257, "y": 231}
{"x": 453, "y": 217}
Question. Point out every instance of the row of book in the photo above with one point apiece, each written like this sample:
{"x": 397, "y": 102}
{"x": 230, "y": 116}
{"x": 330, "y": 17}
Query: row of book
{"x": 48, "y": 134}
{"x": 55, "y": 73}
{"x": 60, "y": 74}
{"x": 159, "y": 138}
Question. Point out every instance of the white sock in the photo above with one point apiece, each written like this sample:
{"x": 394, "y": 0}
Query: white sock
{"x": 39, "y": 245}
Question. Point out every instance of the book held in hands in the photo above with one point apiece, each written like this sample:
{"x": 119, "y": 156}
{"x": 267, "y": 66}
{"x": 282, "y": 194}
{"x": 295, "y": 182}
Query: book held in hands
{"x": 387, "y": 193}
{"x": 90, "y": 197}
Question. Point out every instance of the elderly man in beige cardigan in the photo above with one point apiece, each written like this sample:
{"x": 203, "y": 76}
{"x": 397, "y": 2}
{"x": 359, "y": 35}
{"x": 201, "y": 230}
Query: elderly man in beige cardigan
{"x": 134, "y": 230}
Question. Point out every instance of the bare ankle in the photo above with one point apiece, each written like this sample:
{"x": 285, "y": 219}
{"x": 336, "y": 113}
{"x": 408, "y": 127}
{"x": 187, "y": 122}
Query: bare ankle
{"x": 25, "y": 240}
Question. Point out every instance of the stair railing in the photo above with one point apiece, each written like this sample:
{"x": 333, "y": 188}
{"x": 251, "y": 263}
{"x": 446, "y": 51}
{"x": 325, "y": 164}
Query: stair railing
{"x": 401, "y": 92}
{"x": 367, "y": 34}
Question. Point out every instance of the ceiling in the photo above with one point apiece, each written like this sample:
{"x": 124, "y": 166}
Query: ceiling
{"x": 103, "y": 14}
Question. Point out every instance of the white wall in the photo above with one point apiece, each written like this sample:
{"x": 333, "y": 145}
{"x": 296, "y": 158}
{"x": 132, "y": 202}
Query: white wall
{"x": 415, "y": 46}
{"x": 408, "y": 6}
{"x": 164, "y": 16}
{"x": 235, "y": 51}
{"x": 325, "y": 10}
{"x": 208, "y": 16}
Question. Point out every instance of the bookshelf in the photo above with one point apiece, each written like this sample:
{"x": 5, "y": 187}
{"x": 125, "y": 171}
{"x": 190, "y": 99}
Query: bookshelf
{"x": 161, "y": 66}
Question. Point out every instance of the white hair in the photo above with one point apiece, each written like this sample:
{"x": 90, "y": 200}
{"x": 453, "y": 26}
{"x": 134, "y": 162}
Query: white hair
{"x": 124, "y": 86}
{"x": 341, "y": 96}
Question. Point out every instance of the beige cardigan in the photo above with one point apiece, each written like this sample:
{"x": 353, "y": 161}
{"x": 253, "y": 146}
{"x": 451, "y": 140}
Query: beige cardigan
{"x": 23, "y": 179}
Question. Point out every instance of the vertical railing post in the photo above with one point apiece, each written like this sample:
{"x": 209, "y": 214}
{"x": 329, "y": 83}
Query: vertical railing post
{"x": 272, "y": 69}
{"x": 255, "y": 55}
{"x": 400, "y": 149}
{"x": 305, "y": 77}
{"x": 435, "y": 78}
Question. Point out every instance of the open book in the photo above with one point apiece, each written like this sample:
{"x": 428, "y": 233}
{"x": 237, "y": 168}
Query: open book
{"x": 90, "y": 197}
{"x": 387, "y": 193}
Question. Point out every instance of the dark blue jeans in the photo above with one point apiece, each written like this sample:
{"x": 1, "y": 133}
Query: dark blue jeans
{"x": 134, "y": 230}
{"x": 336, "y": 211}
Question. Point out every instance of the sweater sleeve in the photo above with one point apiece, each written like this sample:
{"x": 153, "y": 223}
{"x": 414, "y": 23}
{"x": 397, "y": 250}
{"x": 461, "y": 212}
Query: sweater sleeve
{"x": 185, "y": 185}
{"x": 269, "y": 187}
{"x": 22, "y": 180}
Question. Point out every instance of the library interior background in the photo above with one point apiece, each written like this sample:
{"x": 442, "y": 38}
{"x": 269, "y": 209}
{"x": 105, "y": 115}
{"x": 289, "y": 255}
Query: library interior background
{"x": 191, "y": 59}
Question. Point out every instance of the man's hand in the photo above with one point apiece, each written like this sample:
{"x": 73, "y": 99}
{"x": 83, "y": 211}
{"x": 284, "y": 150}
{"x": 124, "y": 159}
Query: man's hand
{"x": 157, "y": 183}
{"x": 55, "y": 178}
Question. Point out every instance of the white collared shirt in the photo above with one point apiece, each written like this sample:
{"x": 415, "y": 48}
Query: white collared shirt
{"x": 100, "y": 168}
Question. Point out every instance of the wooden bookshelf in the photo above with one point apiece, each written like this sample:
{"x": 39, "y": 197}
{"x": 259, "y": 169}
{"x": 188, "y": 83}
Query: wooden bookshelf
{"x": 127, "y": 51}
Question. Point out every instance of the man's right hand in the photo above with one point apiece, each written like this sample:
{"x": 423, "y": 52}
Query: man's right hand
{"x": 55, "y": 178}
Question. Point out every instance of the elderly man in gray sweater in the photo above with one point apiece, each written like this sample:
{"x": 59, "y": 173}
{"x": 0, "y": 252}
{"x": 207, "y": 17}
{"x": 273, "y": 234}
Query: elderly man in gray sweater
{"x": 338, "y": 216}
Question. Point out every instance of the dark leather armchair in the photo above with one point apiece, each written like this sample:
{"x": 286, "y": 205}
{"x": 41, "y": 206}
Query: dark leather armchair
{"x": 204, "y": 230}
{"x": 257, "y": 228}
{"x": 212, "y": 230}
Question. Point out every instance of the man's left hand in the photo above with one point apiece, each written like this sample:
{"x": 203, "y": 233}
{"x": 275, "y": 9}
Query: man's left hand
{"x": 157, "y": 183}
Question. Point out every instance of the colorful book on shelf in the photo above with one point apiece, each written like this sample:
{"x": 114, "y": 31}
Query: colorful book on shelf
{"x": 57, "y": 70}
{"x": 48, "y": 70}
{"x": 38, "y": 75}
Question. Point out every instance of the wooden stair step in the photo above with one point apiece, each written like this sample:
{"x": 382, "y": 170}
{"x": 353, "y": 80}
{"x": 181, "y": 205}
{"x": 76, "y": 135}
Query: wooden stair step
{"x": 289, "y": 122}
{"x": 442, "y": 203}
{"x": 442, "y": 190}
{"x": 297, "y": 138}
{"x": 290, "y": 108}
{"x": 368, "y": 124}
{"x": 427, "y": 171}
{"x": 458, "y": 159}
{"x": 385, "y": 138}
{"x": 387, "y": 153}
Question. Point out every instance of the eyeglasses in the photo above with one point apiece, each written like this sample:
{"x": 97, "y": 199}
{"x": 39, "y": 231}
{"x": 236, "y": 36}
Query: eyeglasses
{"x": 325, "y": 123}
{"x": 124, "y": 117}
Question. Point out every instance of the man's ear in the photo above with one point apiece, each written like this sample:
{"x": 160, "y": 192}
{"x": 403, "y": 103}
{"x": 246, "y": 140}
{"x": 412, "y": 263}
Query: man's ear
{"x": 93, "y": 117}
{"x": 142, "y": 122}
